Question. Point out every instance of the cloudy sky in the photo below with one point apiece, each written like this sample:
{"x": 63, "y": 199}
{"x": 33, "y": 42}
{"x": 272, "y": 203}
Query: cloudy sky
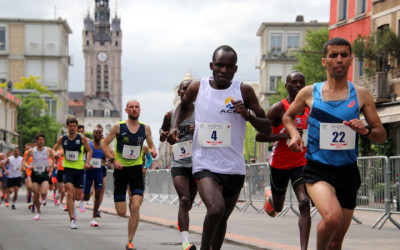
{"x": 163, "y": 39}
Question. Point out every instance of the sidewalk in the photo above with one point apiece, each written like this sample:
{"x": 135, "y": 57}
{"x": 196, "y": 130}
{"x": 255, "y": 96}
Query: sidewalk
{"x": 259, "y": 231}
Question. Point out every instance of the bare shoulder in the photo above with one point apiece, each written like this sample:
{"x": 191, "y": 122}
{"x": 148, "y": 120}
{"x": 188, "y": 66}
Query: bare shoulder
{"x": 363, "y": 95}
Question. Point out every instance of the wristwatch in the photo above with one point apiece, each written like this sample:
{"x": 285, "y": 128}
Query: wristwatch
{"x": 369, "y": 131}
{"x": 112, "y": 160}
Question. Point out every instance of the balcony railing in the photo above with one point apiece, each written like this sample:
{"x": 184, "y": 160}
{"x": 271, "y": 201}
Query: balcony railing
{"x": 377, "y": 85}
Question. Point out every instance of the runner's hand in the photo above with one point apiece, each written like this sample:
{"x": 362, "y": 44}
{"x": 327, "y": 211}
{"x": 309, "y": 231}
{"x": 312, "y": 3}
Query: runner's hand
{"x": 117, "y": 165}
{"x": 173, "y": 136}
{"x": 241, "y": 109}
{"x": 296, "y": 143}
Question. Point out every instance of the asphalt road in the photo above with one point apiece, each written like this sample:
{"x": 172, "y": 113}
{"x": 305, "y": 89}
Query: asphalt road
{"x": 18, "y": 230}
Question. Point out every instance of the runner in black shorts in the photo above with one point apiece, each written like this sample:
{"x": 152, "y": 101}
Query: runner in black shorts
{"x": 181, "y": 166}
{"x": 128, "y": 163}
{"x": 40, "y": 170}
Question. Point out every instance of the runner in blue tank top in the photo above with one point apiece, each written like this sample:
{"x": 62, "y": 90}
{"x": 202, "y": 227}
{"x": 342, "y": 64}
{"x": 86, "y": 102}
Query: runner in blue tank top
{"x": 331, "y": 174}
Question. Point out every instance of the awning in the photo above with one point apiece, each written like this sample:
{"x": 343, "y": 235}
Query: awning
{"x": 389, "y": 114}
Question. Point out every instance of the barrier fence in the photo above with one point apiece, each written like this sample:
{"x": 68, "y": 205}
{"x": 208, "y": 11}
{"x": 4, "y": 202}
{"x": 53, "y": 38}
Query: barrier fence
{"x": 379, "y": 190}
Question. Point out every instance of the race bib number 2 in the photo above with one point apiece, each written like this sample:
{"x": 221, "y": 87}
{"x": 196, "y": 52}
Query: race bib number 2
{"x": 214, "y": 134}
{"x": 336, "y": 136}
{"x": 131, "y": 152}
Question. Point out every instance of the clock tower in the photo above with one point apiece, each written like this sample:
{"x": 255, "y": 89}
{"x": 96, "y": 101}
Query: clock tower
{"x": 102, "y": 42}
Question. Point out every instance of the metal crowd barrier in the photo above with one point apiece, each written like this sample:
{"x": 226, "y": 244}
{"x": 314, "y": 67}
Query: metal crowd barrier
{"x": 379, "y": 190}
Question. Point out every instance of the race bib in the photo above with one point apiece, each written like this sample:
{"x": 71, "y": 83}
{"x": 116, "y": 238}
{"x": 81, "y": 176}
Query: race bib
{"x": 39, "y": 169}
{"x": 304, "y": 137}
{"x": 130, "y": 152}
{"x": 71, "y": 155}
{"x": 182, "y": 150}
{"x": 214, "y": 134}
{"x": 95, "y": 162}
{"x": 336, "y": 136}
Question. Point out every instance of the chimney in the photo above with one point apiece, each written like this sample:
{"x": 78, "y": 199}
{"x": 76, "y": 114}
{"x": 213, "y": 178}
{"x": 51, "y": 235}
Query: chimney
{"x": 300, "y": 19}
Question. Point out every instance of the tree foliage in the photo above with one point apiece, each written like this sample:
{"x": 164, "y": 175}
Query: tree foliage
{"x": 31, "y": 122}
{"x": 281, "y": 93}
{"x": 377, "y": 50}
{"x": 311, "y": 54}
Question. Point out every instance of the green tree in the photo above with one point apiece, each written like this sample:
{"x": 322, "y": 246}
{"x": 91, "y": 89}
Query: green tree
{"x": 281, "y": 93}
{"x": 31, "y": 122}
{"x": 377, "y": 51}
{"x": 311, "y": 54}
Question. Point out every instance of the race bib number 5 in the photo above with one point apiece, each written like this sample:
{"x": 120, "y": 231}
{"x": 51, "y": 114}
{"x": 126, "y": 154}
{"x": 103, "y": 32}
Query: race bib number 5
{"x": 182, "y": 150}
{"x": 130, "y": 152}
{"x": 336, "y": 136}
{"x": 214, "y": 134}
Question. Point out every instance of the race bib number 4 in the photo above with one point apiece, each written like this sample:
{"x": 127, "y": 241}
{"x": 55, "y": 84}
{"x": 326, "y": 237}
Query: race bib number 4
{"x": 182, "y": 150}
{"x": 96, "y": 163}
{"x": 214, "y": 134}
{"x": 71, "y": 155}
{"x": 131, "y": 152}
{"x": 336, "y": 136}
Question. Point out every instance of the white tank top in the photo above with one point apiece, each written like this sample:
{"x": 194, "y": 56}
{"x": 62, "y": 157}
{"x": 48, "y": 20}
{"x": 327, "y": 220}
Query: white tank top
{"x": 40, "y": 158}
{"x": 14, "y": 167}
{"x": 214, "y": 106}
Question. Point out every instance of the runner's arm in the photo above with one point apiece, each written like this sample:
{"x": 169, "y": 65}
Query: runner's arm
{"x": 58, "y": 144}
{"x": 25, "y": 164}
{"x": 182, "y": 111}
{"x": 150, "y": 144}
{"x": 164, "y": 130}
{"x": 109, "y": 138}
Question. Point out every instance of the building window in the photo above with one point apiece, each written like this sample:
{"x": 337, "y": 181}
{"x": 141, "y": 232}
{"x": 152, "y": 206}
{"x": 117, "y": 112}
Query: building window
{"x": 116, "y": 43}
{"x": 361, "y": 7}
{"x": 90, "y": 113}
{"x": 106, "y": 113}
{"x": 276, "y": 43}
{"x": 106, "y": 78}
{"x": 2, "y": 38}
{"x": 293, "y": 40}
{"x": 273, "y": 82}
{"x": 98, "y": 79}
{"x": 342, "y": 15}
{"x": 51, "y": 107}
{"x": 117, "y": 33}
{"x": 87, "y": 43}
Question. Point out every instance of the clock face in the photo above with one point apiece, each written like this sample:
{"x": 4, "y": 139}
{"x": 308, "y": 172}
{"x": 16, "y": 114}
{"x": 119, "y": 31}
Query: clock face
{"x": 102, "y": 56}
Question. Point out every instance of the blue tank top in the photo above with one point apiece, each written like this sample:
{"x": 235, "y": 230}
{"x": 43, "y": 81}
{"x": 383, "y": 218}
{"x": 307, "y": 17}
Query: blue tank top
{"x": 323, "y": 111}
{"x": 96, "y": 153}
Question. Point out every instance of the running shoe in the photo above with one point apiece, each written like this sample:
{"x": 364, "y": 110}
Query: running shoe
{"x": 268, "y": 208}
{"x": 30, "y": 204}
{"x": 73, "y": 224}
{"x": 129, "y": 246}
{"x": 65, "y": 208}
{"x": 93, "y": 223}
{"x": 44, "y": 202}
{"x": 82, "y": 207}
{"x": 56, "y": 202}
{"x": 98, "y": 215}
{"x": 188, "y": 246}
{"x": 13, "y": 206}
{"x": 177, "y": 226}
{"x": 6, "y": 203}
{"x": 33, "y": 209}
{"x": 37, "y": 217}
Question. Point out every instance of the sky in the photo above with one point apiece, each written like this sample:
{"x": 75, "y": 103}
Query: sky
{"x": 163, "y": 39}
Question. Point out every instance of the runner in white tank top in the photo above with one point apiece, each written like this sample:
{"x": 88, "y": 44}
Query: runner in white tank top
{"x": 221, "y": 112}
{"x": 42, "y": 162}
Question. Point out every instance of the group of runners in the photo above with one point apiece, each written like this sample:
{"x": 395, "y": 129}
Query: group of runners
{"x": 315, "y": 132}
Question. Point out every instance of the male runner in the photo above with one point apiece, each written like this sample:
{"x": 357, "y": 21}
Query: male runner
{"x": 331, "y": 173}
{"x": 40, "y": 170}
{"x": 221, "y": 112}
{"x": 73, "y": 144}
{"x": 181, "y": 165}
{"x": 128, "y": 163}
{"x": 13, "y": 174}
{"x": 60, "y": 180}
{"x": 94, "y": 174}
{"x": 4, "y": 183}
{"x": 285, "y": 164}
